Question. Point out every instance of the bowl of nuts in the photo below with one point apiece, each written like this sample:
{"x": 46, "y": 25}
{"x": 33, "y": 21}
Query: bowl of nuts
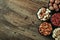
{"x": 54, "y": 5}
{"x": 51, "y": 19}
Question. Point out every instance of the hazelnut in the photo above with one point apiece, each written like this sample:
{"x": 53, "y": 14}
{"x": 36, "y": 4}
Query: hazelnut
{"x": 57, "y": 1}
{"x": 51, "y": 1}
{"x": 59, "y": 6}
{"x": 55, "y": 6}
{"x": 57, "y": 9}
{"x": 50, "y": 4}
{"x": 43, "y": 10}
{"x": 51, "y": 8}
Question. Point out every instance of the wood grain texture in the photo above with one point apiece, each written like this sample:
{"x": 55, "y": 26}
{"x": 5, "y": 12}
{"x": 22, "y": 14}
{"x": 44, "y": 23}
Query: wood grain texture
{"x": 18, "y": 20}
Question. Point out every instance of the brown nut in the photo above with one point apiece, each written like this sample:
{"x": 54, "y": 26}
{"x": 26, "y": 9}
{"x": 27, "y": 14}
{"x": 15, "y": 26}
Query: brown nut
{"x": 57, "y": 9}
{"x": 43, "y": 10}
{"x": 55, "y": 6}
{"x": 45, "y": 29}
{"x": 51, "y": 1}
{"x": 59, "y": 6}
{"x": 51, "y": 8}
{"x": 50, "y": 4}
{"x": 57, "y": 1}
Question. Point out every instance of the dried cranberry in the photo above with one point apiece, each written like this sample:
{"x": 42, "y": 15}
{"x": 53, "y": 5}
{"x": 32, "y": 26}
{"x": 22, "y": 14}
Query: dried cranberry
{"x": 55, "y": 19}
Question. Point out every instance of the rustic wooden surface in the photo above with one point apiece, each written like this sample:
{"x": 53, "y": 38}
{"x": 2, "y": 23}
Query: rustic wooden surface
{"x": 18, "y": 19}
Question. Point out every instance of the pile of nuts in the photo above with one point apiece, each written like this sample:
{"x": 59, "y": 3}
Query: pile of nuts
{"x": 54, "y": 5}
{"x": 56, "y": 34}
{"x": 43, "y": 14}
{"x": 52, "y": 13}
{"x": 45, "y": 28}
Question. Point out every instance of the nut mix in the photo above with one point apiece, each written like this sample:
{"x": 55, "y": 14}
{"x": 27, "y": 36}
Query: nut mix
{"x": 43, "y": 14}
{"x": 56, "y": 34}
{"x": 45, "y": 28}
{"x": 53, "y": 14}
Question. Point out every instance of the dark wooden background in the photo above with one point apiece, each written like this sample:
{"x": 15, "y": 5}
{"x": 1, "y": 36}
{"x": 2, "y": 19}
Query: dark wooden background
{"x": 18, "y": 19}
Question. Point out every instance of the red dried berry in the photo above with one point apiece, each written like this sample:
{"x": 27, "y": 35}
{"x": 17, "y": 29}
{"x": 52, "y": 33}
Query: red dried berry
{"x": 55, "y": 19}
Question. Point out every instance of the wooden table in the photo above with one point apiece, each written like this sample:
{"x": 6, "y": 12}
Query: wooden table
{"x": 18, "y": 19}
